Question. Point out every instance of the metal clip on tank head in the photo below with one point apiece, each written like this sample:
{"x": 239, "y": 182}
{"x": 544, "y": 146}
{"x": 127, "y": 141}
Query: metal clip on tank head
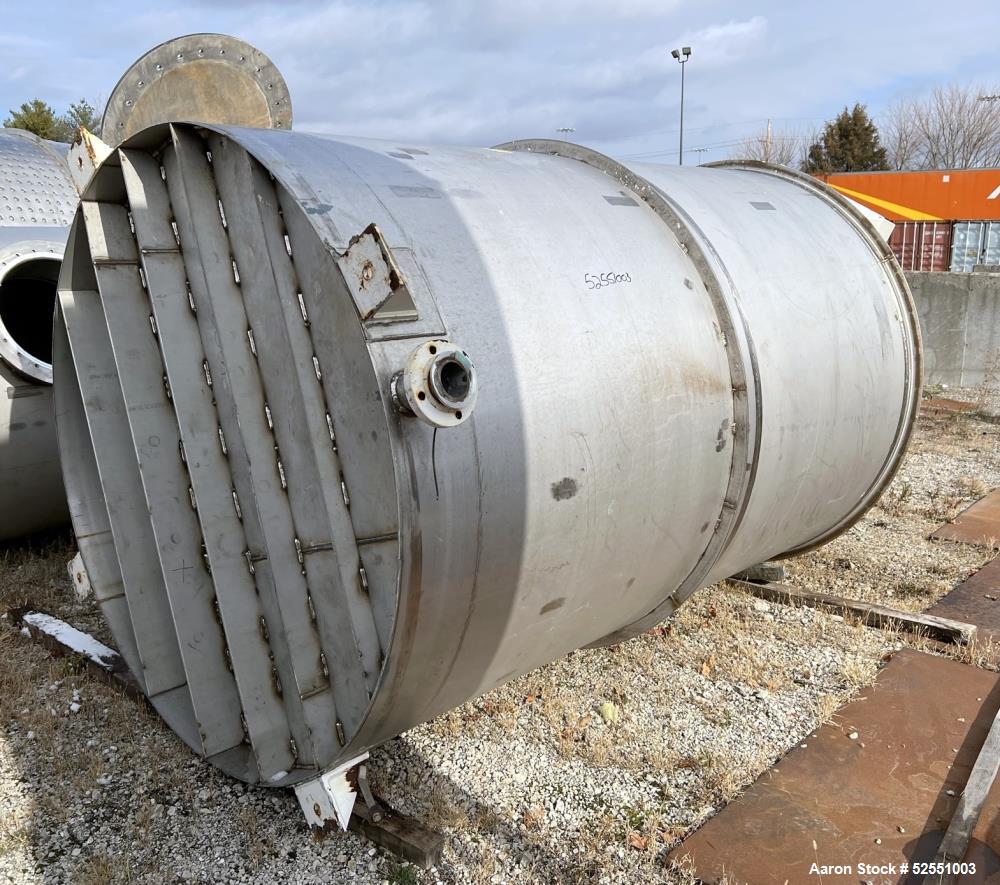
{"x": 438, "y": 385}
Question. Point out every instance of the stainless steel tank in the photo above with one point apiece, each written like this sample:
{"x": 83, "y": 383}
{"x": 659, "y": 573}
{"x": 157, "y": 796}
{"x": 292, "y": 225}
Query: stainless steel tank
{"x": 37, "y": 201}
{"x": 354, "y": 431}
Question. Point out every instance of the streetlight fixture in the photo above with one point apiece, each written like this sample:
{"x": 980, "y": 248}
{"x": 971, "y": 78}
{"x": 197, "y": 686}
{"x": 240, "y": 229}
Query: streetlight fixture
{"x": 682, "y": 55}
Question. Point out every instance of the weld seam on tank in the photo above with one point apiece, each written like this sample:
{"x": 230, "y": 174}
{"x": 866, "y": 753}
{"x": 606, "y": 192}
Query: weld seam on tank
{"x": 914, "y": 367}
{"x": 740, "y": 354}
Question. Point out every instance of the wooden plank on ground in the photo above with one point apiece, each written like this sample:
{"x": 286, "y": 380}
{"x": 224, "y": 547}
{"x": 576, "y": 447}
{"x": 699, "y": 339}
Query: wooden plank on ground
{"x": 943, "y": 629}
{"x": 763, "y": 571}
{"x": 64, "y": 640}
{"x": 404, "y": 836}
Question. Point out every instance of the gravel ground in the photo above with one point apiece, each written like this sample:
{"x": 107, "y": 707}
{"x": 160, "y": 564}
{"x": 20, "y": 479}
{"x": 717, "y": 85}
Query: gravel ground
{"x": 588, "y": 769}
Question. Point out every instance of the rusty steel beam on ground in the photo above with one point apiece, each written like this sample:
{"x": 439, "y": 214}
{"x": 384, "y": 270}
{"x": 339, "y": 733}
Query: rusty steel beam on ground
{"x": 977, "y": 524}
{"x": 877, "y": 786}
{"x": 976, "y": 600}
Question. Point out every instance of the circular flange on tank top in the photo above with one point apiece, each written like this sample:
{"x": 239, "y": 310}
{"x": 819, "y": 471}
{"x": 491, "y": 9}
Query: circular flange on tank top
{"x": 206, "y": 78}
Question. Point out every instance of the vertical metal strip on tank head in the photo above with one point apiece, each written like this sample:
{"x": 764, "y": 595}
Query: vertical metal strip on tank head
{"x": 294, "y": 390}
{"x": 232, "y": 535}
{"x": 216, "y": 460}
{"x": 117, "y": 462}
{"x": 86, "y": 498}
{"x": 190, "y": 497}
{"x": 357, "y": 419}
{"x": 212, "y": 689}
{"x": 739, "y": 349}
{"x": 240, "y": 394}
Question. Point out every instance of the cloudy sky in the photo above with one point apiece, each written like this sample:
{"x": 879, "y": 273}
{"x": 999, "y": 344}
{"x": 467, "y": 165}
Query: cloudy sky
{"x": 486, "y": 71}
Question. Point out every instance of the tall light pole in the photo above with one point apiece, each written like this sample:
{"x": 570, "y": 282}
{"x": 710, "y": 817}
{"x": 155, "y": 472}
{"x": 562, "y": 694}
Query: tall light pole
{"x": 682, "y": 55}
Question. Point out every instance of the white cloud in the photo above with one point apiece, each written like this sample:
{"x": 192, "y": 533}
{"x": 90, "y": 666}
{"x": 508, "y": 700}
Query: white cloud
{"x": 450, "y": 70}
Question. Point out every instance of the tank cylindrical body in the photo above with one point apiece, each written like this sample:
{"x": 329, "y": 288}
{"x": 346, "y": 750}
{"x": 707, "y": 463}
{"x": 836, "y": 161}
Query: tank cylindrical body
{"x": 37, "y": 200}
{"x": 653, "y": 378}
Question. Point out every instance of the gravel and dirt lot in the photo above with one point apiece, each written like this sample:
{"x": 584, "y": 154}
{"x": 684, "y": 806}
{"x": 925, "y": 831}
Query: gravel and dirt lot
{"x": 588, "y": 769}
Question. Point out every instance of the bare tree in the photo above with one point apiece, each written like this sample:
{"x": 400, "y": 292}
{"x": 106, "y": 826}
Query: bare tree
{"x": 901, "y": 135}
{"x": 780, "y": 149}
{"x": 959, "y": 130}
{"x": 951, "y": 128}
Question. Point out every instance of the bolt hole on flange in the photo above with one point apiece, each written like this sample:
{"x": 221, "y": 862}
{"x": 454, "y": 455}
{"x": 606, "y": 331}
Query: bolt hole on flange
{"x": 439, "y": 384}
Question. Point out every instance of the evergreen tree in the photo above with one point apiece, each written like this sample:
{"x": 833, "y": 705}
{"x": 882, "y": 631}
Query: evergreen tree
{"x": 848, "y": 143}
{"x": 38, "y": 117}
{"x": 81, "y": 113}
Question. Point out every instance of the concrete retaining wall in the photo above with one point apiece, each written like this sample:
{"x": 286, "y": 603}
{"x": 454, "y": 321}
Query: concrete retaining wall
{"x": 960, "y": 323}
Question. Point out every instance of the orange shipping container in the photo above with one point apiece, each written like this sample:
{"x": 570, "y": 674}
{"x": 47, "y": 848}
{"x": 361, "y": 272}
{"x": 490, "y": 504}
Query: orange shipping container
{"x": 955, "y": 195}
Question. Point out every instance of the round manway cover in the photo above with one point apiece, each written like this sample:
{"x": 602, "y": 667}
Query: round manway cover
{"x": 200, "y": 78}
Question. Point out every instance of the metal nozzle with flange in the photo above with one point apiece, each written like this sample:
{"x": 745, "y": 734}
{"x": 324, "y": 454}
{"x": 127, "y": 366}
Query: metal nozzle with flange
{"x": 438, "y": 385}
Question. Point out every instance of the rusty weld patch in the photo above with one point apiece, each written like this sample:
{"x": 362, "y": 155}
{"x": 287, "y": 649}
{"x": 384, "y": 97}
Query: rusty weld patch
{"x": 565, "y": 489}
{"x": 552, "y": 605}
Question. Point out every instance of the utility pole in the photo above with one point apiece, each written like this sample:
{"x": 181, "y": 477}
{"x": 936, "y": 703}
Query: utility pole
{"x": 767, "y": 144}
{"x": 682, "y": 55}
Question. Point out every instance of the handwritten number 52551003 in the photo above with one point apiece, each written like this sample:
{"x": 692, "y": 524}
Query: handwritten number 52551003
{"x": 599, "y": 281}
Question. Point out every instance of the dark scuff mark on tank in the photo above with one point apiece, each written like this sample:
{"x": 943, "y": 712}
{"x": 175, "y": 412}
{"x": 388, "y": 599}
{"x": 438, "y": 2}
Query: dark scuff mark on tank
{"x": 316, "y": 208}
{"x": 25, "y": 390}
{"x": 720, "y": 440}
{"x": 621, "y": 200}
{"x": 552, "y": 605}
{"x": 565, "y": 489}
{"x": 629, "y": 583}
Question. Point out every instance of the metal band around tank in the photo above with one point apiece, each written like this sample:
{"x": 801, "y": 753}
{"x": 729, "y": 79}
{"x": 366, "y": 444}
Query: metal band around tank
{"x": 914, "y": 365}
{"x": 741, "y": 468}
